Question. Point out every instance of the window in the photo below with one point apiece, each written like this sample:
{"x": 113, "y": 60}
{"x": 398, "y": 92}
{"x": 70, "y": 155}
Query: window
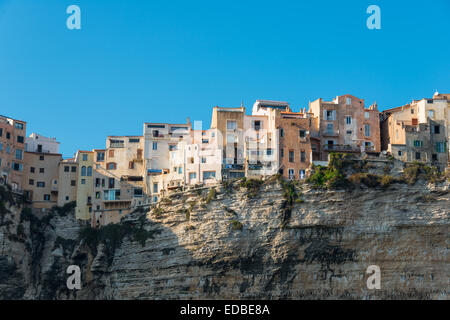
{"x": 412, "y": 111}
{"x": 41, "y": 170}
{"x": 330, "y": 128}
{"x": 83, "y": 181}
{"x": 180, "y": 170}
{"x": 111, "y": 183}
{"x": 440, "y": 147}
{"x": 302, "y": 133}
{"x": 1, "y": 146}
{"x": 291, "y": 174}
{"x": 101, "y": 156}
{"x": 192, "y": 175}
{"x": 84, "y": 157}
{"x": 231, "y": 125}
{"x": 111, "y": 153}
{"x": 302, "y": 156}
{"x": 291, "y": 155}
{"x": 269, "y": 151}
{"x": 349, "y": 131}
{"x": 434, "y": 157}
{"x": 18, "y": 125}
{"x": 155, "y": 199}
{"x": 133, "y": 140}
{"x": 19, "y": 154}
{"x": 205, "y": 141}
{"x": 89, "y": 171}
{"x": 281, "y": 132}
{"x": 400, "y": 152}
{"x": 436, "y": 129}
{"x": 74, "y": 169}
{"x": 83, "y": 171}
{"x": 366, "y": 115}
{"x": 281, "y": 153}
{"x": 209, "y": 175}
{"x": 131, "y": 165}
{"x": 348, "y": 120}
{"x": 418, "y": 143}
{"x": 20, "y": 139}
{"x": 203, "y": 160}
{"x": 367, "y": 130}
{"x": 172, "y": 147}
{"x": 41, "y": 158}
{"x": 257, "y": 125}
{"x": 73, "y": 183}
{"x": 46, "y": 197}
{"x": 138, "y": 192}
{"x": 67, "y": 198}
{"x": 301, "y": 174}
{"x": 1, "y": 132}
{"x": 111, "y": 166}
{"x": 348, "y": 101}
{"x": 8, "y": 135}
{"x": 31, "y": 182}
{"x": 330, "y": 115}
{"x": 66, "y": 168}
{"x": 40, "y": 184}
{"x": 155, "y": 146}
{"x": 231, "y": 138}
{"x": 417, "y": 155}
{"x": 155, "y": 188}
{"x": 431, "y": 114}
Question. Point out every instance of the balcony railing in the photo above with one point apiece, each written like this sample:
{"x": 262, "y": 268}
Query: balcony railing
{"x": 341, "y": 147}
{"x": 329, "y": 133}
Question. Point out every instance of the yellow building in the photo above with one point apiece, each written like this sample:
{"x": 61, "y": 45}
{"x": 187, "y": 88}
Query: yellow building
{"x": 85, "y": 184}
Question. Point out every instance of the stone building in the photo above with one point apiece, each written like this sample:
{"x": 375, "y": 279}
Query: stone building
{"x": 345, "y": 125}
{"x": 67, "y": 181}
{"x": 418, "y": 131}
{"x": 12, "y": 148}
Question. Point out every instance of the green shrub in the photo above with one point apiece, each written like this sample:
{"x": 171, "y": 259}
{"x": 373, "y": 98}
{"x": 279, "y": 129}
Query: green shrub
{"x": 236, "y": 225}
{"x": 252, "y": 186}
{"x": 211, "y": 195}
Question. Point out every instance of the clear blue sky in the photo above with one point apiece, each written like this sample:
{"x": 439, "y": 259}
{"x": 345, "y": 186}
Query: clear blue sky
{"x": 141, "y": 61}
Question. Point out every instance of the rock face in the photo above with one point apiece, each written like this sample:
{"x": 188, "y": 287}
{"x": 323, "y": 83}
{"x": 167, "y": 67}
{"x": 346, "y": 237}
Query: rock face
{"x": 259, "y": 242}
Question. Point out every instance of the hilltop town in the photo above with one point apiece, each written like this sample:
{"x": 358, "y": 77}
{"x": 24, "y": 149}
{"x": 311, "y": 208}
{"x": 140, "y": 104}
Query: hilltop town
{"x": 106, "y": 184}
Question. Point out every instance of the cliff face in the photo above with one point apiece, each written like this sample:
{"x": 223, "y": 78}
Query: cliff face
{"x": 266, "y": 241}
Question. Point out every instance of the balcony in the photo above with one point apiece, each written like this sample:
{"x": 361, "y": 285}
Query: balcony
{"x": 233, "y": 166}
{"x": 329, "y": 133}
{"x": 341, "y": 148}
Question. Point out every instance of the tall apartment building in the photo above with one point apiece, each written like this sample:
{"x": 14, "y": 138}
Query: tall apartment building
{"x": 345, "y": 125}
{"x": 41, "y": 171}
{"x": 118, "y": 178}
{"x": 85, "y": 185}
{"x": 229, "y": 126}
{"x": 418, "y": 131}
{"x": 162, "y": 168}
{"x": 287, "y": 139}
{"x": 67, "y": 181}
{"x": 12, "y": 148}
{"x": 202, "y": 157}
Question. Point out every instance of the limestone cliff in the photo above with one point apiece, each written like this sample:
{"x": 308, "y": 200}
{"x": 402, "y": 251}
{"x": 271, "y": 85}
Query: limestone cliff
{"x": 250, "y": 240}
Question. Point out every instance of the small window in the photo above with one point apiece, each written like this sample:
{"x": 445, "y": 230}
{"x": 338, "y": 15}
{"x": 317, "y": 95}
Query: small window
{"x": 417, "y": 155}
{"x": 40, "y": 184}
{"x": 74, "y": 169}
{"x": 348, "y": 101}
{"x": 83, "y": 171}
{"x": 400, "y": 153}
{"x": 302, "y": 156}
{"x": 155, "y": 146}
{"x": 84, "y": 157}
{"x": 111, "y": 153}
{"x": 231, "y": 125}
{"x": 41, "y": 158}
{"x": 302, "y": 133}
{"x": 367, "y": 130}
{"x": 281, "y": 132}
{"x": 66, "y": 168}
{"x": 437, "y": 129}
{"x": 366, "y": 115}
{"x": 20, "y": 139}
{"x": 46, "y": 197}
{"x": 111, "y": 166}
{"x": 73, "y": 183}
{"x": 83, "y": 181}
{"x": 431, "y": 114}
{"x": 281, "y": 153}
{"x": 348, "y": 120}
{"x": 41, "y": 170}
{"x": 31, "y": 182}
{"x": 434, "y": 157}
{"x": 349, "y": 132}
{"x": 131, "y": 165}
{"x": 89, "y": 171}
{"x": 291, "y": 155}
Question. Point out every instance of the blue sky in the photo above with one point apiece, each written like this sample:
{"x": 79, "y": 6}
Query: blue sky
{"x": 140, "y": 61}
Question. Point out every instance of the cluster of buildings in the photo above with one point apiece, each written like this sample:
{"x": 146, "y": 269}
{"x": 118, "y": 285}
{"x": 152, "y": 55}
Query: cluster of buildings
{"x": 139, "y": 170}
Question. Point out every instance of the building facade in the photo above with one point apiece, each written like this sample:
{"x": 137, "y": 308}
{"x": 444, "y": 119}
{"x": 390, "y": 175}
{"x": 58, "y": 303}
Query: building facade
{"x": 12, "y": 149}
{"x": 345, "y": 125}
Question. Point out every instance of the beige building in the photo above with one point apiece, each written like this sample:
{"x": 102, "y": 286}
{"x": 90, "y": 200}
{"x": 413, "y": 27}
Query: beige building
{"x": 118, "y": 178}
{"x": 85, "y": 185}
{"x": 67, "y": 181}
{"x": 12, "y": 149}
{"x": 41, "y": 178}
{"x": 418, "y": 131}
{"x": 345, "y": 125}
{"x": 229, "y": 126}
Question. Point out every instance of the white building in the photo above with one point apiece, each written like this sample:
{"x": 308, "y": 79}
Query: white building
{"x": 38, "y": 143}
